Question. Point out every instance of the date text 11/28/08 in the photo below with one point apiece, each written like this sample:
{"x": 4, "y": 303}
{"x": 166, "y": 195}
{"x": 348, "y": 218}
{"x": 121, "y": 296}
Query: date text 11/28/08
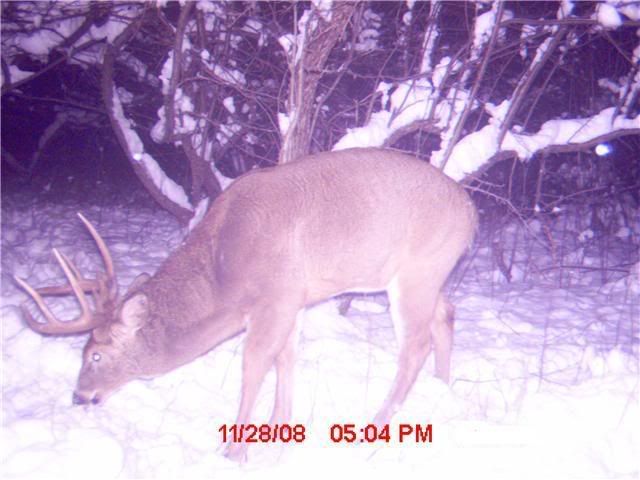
{"x": 338, "y": 433}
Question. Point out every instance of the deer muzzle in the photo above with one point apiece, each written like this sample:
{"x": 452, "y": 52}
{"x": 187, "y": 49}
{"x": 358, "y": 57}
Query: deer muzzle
{"x": 82, "y": 399}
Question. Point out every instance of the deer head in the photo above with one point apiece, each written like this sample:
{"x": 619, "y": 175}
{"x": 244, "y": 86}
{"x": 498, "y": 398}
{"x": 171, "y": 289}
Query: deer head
{"x": 277, "y": 240}
{"x": 113, "y": 355}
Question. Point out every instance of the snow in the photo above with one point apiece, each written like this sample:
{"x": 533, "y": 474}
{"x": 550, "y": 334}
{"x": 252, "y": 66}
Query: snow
{"x": 166, "y": 73}
{"x": 369, "y": 32}
{"x": 232, "y": 77}
{"x": 544, "y": 379}
{"x": 608, "y": 16}
{"x": 229, "y": 104}
{"x": 53, "y": 23}
{"x": 323, "y": 8}
{"x": 40, "y": 41}
{"x": 565, "y": 10}
{"x": 629, "y": 8}
{"x": 483, "y": 27}
{"x": 15, "y": 74}
{"x": 294, "y": 44}
{"x": 567, "y": 131}
{"x": 284, "y": 122}
{"x": 409, "y": 102}
{"x": 200, "y": 211}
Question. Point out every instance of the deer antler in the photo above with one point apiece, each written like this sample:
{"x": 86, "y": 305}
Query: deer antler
{"x": 103, "y": 288}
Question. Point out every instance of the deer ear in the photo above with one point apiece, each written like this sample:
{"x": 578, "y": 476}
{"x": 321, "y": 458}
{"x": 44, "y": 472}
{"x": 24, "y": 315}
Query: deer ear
{"x": 135, "y": 312}
{"x": 138, "y": 281}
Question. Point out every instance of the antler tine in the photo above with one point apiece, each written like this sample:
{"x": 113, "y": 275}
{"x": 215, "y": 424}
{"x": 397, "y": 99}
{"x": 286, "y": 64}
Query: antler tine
{"x": 103, "y": 288}
{"x": 85, "y": 284}
{"x": 82, "y": 299}
{"x": 51, "y": 319}
{"x": 104, "y": 251}
{"x": 100, "y": 287}
{"x": 53, "y": 325}
{"x": 83, "y": 323}
{"x": 72, "y": 267}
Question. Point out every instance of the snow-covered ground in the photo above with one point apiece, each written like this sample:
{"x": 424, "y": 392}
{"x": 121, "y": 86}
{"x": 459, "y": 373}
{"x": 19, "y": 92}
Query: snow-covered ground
{"x": 545, "y": 381}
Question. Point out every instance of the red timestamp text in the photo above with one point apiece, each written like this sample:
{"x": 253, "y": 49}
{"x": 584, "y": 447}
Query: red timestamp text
{"x": 405, "y": 432}
{"x": 250, "y": 433}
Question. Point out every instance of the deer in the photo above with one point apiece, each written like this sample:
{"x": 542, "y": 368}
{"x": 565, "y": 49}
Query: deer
{"x": 278, "y": 240}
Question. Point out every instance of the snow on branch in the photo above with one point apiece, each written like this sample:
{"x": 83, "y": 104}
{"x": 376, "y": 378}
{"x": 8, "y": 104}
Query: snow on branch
{"x": 168, "y": 187}
{"x": 444, "y": 100}
{"x": 479, "y": 147}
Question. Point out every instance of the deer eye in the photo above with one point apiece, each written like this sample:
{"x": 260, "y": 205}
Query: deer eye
{"x": 96, "y": 357}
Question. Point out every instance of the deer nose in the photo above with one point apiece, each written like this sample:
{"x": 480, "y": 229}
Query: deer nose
{"x": 79, "y": 399}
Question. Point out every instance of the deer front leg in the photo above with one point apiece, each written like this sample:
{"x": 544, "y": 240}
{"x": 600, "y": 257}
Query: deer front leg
{"x": 267, "y": 342}
{"x": 285, "y": 362}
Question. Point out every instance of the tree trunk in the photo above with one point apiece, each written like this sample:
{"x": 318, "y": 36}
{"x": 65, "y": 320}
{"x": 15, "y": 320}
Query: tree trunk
{"x": 305, "y": 75}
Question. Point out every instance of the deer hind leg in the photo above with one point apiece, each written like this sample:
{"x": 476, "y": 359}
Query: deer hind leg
{"x": 412, "y": 311}
{"x": 442, "y": 332}
{"x": 267, "y": 342}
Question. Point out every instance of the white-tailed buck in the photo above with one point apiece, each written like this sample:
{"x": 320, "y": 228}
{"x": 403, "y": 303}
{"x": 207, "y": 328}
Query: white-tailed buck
{"x": 278, "y": 240}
